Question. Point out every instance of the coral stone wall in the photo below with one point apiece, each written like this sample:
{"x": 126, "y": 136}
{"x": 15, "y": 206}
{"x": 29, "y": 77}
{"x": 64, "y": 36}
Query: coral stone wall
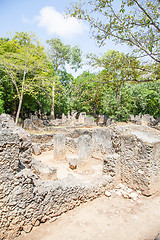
{"x": 129, "y": 154}
{"x": 25, "y": 200}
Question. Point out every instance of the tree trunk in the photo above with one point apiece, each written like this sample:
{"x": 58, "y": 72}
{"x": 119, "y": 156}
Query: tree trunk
{"x": 52, "y": 107}
{"x": 21, "y": 98}
{"x": 19, "y": 107}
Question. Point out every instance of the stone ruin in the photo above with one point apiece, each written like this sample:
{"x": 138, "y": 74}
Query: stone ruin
{"x": 71, "y": 120}
{"x": 145, "y": 119}
{"x": 31, "y": 193}
{"x": 26, "y": 200}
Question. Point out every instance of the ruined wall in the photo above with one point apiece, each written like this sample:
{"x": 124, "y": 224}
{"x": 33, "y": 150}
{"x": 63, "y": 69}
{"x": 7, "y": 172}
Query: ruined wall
{"x": 130, "y": 154}
{"x": 135, "y": 159}
{"x": 140, "y": 158}
{"x": 25, "y": 200}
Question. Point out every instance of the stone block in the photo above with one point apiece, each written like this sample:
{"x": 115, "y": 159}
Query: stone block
{"x": 36, "y": 149}
{"x": 82, "y": 117}
{"x": 59, "y": 147}
{"x": 43, "y": 171}
{"x": 84, "y": 149}
{"x": 140, "y": 158}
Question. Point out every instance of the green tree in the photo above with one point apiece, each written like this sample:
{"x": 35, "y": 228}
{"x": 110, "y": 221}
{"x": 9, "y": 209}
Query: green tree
{"x": 87, "y": 92}
{"x": 1, "y": 103}
{"x": 24, "y": 62}
{"x": 134, "y": 22}
{"x": 118, "y": 67}
{"x": 145, "y": 98}
{"x": 117, "y": 102}
{"x": 62, "y": 54}
{"x": 63, "y": 93}
{"x": 117, "y": 70}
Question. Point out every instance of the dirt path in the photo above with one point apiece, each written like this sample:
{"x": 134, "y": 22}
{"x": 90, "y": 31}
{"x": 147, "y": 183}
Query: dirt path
{"x": 113, "y": 218}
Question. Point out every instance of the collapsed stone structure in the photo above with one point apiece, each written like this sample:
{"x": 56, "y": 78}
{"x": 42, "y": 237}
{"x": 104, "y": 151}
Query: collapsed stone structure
{"x": 127, "y": 153}
{"x": 26, "y": 200}
{"x": 145, "y": 119}
{"x": 71, "y": 120}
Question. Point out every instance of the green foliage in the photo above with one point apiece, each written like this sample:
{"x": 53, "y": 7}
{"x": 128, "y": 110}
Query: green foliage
{"x": 134, "y": 99}
{"x": 117, "y": 102}
{"x": 146, "y": 99}
{"x": 87, "y": 93}
{"x": 25, "y": 64}
{"x": 60, "y": 56}
{"x": 63, "y": 88}
{"x": 117, "y": 67}
{"x": 1, "y": 104}
{"x": 134, "y": 22}
{"x": 30, "y": 81}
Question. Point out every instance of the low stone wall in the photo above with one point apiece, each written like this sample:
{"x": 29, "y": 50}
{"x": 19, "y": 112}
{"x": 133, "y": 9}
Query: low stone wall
{"x": 136, "y": 160}
{"x": 140, "y": 158}
{"x": 130, "y": 154}
{"x": 25, "y": 200}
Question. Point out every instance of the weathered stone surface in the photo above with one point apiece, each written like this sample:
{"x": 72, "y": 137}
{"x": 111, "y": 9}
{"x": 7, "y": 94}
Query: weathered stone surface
{"x": 27, "y": 228}
{"x": 42, "y": 142}
{"x": 104, "y": 120}
{"x": 112, "y": 166}
{"x": 59, "y": 147}
{"x": 130, "y": 153}
{"x": 73, "y": 161}
{"x": 101, "y": 142}
{"x": 145, "y": 119}
{"x": 43, "y": 171}
{"x": 36, "y": 149}
{"x": 71, "y": 121}
{"x": 27, "y": 201}
{"x": 16, "y": 138}
{"x": 140, "y": 155}
{"x": 158, "y": 237}
{"x": 36, "y": 121}
{"x": 84, "y": 149}
{"x": 82, "y": 117}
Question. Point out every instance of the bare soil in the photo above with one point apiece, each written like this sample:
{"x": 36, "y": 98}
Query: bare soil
{"x": 92, "y": 170}
{"x": 113, "y": 218}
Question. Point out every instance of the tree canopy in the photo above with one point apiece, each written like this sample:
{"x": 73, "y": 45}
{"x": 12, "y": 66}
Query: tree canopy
{"x": 134, "y": 22}
{"x": 60, "y": 55}
{"x": 24, "y": 63}
{"x": 30, "y": 81}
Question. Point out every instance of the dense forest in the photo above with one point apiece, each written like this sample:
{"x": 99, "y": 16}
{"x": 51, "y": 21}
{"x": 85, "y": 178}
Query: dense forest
{"x": 33, "y": 78}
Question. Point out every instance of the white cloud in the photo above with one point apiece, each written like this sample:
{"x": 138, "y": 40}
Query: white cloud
{"x": 57, "y": 23}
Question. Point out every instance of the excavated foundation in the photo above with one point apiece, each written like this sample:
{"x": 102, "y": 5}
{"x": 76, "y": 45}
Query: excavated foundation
{"x": 85, "y": 163}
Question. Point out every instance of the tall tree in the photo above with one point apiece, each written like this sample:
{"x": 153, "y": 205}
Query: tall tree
{"x": 134, "y": 22}
{"x": 87, "y": 92}
{"x": 61, "y": 55}
{"x": 24, "y": 63}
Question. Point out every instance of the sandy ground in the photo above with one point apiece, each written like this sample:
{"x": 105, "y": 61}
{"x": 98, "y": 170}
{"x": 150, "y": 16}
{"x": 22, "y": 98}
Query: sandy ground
{"x": 113, "y": 218}
{"x": 94, "y": 169}
{"x": 105, "y": 218}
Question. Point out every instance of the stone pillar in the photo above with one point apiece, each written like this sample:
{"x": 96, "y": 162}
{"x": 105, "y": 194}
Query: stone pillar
{"x": 64, "y": 118}
{"x": 84, "y": 150}
{"x": 82, "y": 117}
{"x": 59, "y": 147}
{"x": 73, "y": 117}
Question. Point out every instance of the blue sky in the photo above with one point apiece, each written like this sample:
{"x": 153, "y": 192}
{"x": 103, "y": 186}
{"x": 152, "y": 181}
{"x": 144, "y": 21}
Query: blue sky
{"x": 45, "y": 18}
